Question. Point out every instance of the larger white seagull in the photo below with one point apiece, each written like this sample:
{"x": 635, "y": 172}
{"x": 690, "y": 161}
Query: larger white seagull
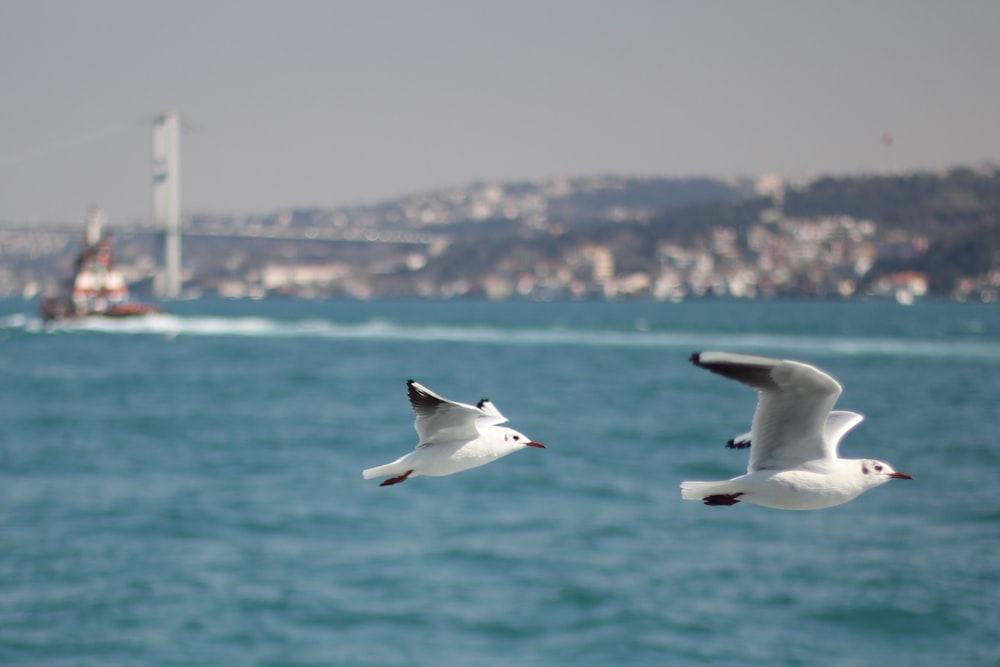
{"x": 793, "y": 439}
{"x": 453, "y": 437}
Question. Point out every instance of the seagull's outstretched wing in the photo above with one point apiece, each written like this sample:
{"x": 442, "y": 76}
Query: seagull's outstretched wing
{"x": 441, "y": 420}
{"x": 489, "y": 415}
{"x": 837, "y": 425}
{"x": 795, "y": 401}
{"x": 741, "y": 441}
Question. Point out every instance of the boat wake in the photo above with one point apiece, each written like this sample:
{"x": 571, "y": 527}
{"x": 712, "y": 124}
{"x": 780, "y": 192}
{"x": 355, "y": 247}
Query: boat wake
{"x": 171, "y": 326}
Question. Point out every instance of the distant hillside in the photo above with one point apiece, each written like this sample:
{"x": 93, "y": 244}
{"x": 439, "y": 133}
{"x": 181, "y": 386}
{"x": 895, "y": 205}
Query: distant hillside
{"x": 958, "y": 213}
{"x": 921, "y": 202}
{"x": 567, "y": 200}
{"x": 945, "y": 226}
{"x": 586, "y": 237}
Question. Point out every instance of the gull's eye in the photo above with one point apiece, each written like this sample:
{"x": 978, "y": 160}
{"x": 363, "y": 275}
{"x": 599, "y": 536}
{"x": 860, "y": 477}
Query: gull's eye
{"x": 878, "y": 467}
{"x": 517, "y": 437}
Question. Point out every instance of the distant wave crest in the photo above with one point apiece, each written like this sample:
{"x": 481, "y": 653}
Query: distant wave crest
{"x": 171, "y": 326}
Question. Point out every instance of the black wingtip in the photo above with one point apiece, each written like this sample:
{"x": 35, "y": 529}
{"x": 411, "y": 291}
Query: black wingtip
{"x": 743, "y": 444}
{"x": 482, "y": 402}
{"x": 413, "y": 390}
{"x": 420, "y": 398}
{"x": 695, "y": 358}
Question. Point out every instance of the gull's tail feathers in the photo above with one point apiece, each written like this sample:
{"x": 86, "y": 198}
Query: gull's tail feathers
{"x": 388, "y": 470}
{"x": 701, "y": 490}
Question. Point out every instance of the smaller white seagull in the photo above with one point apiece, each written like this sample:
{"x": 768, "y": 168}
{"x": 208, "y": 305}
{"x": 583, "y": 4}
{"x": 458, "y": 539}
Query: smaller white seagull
{"x": 793, "y": 439}
{"x": 453, "y": 437}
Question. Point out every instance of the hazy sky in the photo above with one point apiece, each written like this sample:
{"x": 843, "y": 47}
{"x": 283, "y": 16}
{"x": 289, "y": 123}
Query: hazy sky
{"x": 308, "y": 103}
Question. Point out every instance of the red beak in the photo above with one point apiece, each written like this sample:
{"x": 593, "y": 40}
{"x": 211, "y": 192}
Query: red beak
{"x": 534, "y": 444}
{"x": 899, "y": 475}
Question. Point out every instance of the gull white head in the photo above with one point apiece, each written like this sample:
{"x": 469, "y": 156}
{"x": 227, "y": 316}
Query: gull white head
{"x": 876, "y": 473}
{"x": 514, "y": 440}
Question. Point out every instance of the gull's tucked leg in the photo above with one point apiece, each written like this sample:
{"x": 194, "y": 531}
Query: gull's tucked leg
{"x": 722, "y": 499}
{"x": 396, "y": 480}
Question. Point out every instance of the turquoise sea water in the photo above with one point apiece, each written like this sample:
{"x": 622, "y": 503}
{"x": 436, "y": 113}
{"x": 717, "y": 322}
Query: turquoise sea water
{"x": 186, "y": 490}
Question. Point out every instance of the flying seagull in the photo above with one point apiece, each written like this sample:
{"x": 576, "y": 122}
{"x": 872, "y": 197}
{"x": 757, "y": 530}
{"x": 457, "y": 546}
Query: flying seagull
{"x": 453, "y": 437}
{"x": 793, "y": 439}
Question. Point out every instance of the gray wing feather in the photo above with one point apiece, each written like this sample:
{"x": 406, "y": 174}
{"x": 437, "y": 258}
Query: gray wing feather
{"x": 837, "y": 426}
{"x": 440, "y": 420}
{"x": 794, "y": 402}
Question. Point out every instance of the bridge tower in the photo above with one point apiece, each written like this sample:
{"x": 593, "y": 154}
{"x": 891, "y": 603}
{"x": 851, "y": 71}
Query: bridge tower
{"x": 167, "y": 199}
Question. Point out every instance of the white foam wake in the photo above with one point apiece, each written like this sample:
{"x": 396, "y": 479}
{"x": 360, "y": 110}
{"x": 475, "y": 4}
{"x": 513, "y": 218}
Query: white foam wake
{"x": 171, "y": 326}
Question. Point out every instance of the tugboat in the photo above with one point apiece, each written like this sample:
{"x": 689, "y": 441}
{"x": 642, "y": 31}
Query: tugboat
{"x": 96, "y": 288}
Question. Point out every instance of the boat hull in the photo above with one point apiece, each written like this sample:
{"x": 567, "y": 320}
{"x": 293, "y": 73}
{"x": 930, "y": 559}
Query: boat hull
{"x": 58, "y": 308}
